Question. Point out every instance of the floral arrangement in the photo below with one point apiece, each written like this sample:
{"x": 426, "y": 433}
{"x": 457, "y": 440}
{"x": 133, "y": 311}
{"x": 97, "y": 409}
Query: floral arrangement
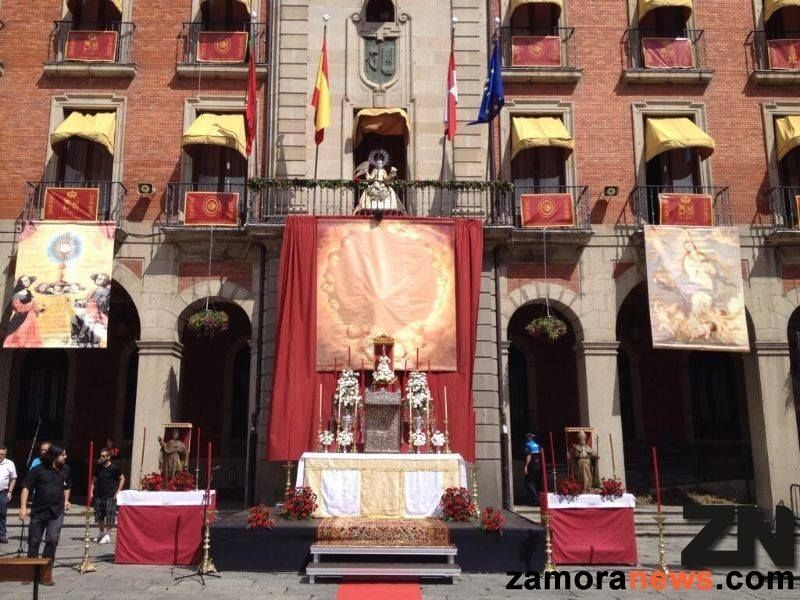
{"x": 260, "y": 517}
{"x": 344, "y": 438}
{"x": 438, "y": 439}
{"x": 611, "y": 488}
{"x": 347, "y": 392}
{"x": 384, "y": 372}
{"x": 155, "y": 482}
{"x": 418, "y": 394}
{"x": 457, "y": 505}
{"x": 209, "y": 322}
{"x": 492, "y": 520}
{"x": 549, "y": 327}
{"x": 325, "y": 438}
{"x": 151, "y": 482}
{"x": 418, "y": 439}
{"x": 299, "y": 504}
{"x": 568, "y": 488}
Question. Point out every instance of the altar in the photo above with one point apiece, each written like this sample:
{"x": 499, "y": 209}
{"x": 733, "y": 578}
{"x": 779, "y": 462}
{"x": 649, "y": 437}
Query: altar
{"x": 391, "y": 486}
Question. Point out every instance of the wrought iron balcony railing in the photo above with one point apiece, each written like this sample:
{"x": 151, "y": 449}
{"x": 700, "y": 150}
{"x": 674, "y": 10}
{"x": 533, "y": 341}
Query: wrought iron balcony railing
{"x": 175, "y": 209}
{"x": 785, "y": 210}
{"x": 775, "y": 52}
{"x": 650, "y": 50}
{"x": 222, "y": 50}
{"x": 110, "y": 196}
{"x": 645, "y": 202}
{"x": 538, "y": 47}
{"x": 109, "y": 42}
{"x": 580, "y": 202}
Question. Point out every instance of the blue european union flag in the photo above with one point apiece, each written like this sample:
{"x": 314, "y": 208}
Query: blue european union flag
{"x": 493, "y": 95}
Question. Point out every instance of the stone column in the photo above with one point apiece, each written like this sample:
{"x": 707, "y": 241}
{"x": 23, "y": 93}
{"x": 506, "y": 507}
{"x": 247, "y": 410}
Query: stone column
{"x": 599, "y": 395}
{"x": 6, "y": 361}
{"x": 773, "y": 424}
{"x": 156, "y": 402}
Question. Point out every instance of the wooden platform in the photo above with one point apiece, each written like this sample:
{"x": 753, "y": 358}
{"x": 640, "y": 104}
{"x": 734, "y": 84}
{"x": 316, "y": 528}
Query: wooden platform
{"x": 428, "y": 564}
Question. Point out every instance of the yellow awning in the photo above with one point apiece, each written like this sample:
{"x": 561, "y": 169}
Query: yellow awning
{"x": 383, "y": 121}
{"x": 645, "y": 6}
{"x": 773, "y": 6}
{"x": 674, "y": 133}
{"x": 787, "y": 134}
{"x": 535, "y": 132}
{"x": 74, "y": 5}
{"x": 219, "y": 130}
{"x": 515, "y": 4}
{"x": 97, "y": 127}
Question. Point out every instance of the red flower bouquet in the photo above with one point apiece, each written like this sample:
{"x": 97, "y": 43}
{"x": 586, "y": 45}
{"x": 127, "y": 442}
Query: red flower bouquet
{"x": 492, "y": 520}
{"x": 299, "y": 504}
{"x": 260, "y": 517}
{"x": 155, "y": 482}
{"x": 152, "y": 482}
{"x": 457, "y": 505}
{"x": 611, "y": 488}
{"x": 569, "y": 488}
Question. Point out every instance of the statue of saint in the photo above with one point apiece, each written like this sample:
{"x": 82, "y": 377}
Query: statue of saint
{"x": 172, "y": 459}
{"x": 584, "y": 463}
{"x": 378, "y": 196}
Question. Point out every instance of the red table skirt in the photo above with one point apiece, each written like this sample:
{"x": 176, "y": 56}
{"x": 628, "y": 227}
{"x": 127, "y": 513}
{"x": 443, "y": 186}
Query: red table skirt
{"x": 593, "y": 536}
{"x": 159, "y": 535}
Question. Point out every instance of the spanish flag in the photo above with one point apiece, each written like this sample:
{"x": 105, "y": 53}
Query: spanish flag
{"x": 322, "y": 96}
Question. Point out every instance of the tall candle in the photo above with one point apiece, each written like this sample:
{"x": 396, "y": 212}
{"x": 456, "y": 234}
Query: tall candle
{"x": 544, "y": 478}
{"x": 144, "y": 443}
{"x": 658, "y": 481}
{"x": 91, "y": 472}
{"x": 320, "y": 403}
{"x": 208, "y": 470}
{"x": 417, "y": 359}
{"x": 552, "y": 450}
{"x": 613, "y": 460}
{"x": 445, "y": 403}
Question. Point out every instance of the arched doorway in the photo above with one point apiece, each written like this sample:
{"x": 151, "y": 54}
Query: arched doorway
{"x": 542, "y": 389}
{"x": 793, "y": 332}
{"x": 692, "y": 405}
{"x": 215, "y": 392}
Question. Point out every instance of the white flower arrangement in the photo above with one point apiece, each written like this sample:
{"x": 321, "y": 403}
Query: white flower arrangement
{"x": 326, "y": 438}
{"x": 438, "y": 439}
{"x": 344, "y": 438}
{"x": 347, "y": 392}
{"x": 418, "y": 438}
{"x": 384, "y": 372}
{"x": 418, "y": 394}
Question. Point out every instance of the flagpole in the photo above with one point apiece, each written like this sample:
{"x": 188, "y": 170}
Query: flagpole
{"x": 453, "y": 141}
{"x": 325, "y": 19}
{"x": 492, "y": 168}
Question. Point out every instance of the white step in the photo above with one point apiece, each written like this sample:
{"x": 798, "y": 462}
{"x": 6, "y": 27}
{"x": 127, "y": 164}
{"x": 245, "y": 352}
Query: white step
{"x": 372, "y": 570}
{"x": 327, "y": 549}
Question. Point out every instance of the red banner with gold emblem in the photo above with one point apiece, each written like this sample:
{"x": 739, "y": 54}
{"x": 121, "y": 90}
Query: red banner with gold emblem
{"x": 535, "y": 51}
{"x": 220, "y": 209}
{"x": 71, "y": 204}
{"x": 686, "y": 209}
{"x": 784, "y": 54}
{"x": 222, "y": 46}
{"x": 92, "y": 46}
{"x": 547, "y": 210}
{"x": 665, "y": 53}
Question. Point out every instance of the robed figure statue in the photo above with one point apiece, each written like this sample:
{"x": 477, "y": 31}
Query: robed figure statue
{"x": 584, "y": 463}
{"x": 172, "y": 458}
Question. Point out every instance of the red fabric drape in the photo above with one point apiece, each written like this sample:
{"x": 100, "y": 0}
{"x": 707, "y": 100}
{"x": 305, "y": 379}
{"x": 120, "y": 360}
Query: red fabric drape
{"x": 593, "y": 536}
{"x": 294, "y": 410}
{"x": 159, "y": 535}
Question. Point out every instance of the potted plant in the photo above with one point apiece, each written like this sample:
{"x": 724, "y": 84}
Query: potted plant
{"x": 208, "y": 322}
{"x": 548, "y": 327}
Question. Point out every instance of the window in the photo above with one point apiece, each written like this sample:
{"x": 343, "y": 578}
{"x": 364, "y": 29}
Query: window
{"x": 538, "y": 18}
{"x": 43, "y": 395}
{"x": 667, "y": 21}
{"x": 380, "y": 11}
{"x": 217, "y": 168}
{"x": 539, "y": 168}
{"x": 223, "y": 15}
{"x": 81, "y": 161}
{"x": 783, "y": 23}
{"x": 241, "y": 393}
{"x": 674, "y": 168}
{"x": 88, "y": 15}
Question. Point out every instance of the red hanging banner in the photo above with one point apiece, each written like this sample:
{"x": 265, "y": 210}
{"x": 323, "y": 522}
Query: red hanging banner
{"x": 222, "y": 46}
{"x": 91, "y": 46}
{"x": 686, "y": 209}
{"x": 71, "y": 204}
{"x": 535, "y": 51}
{"x": 665, "y": 53}
{"x": 547, "y": 210}
{"x": 220, "y": 209}
{"x": 784, "y": 54}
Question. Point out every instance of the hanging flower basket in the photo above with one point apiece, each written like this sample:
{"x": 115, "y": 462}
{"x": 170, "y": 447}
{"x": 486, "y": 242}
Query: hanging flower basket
{"x": 548, "y": 327}
{"x": 209, "y": 322}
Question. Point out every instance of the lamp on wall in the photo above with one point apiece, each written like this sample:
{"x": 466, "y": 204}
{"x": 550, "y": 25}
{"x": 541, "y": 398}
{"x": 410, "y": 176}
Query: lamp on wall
{"x": 145, "y": 188}
{"x": 611, "y": 191}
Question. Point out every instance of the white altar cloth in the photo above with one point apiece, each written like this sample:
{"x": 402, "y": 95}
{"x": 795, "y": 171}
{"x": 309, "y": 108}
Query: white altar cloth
{"x": 137, "y": 498}
{"x": 555, "y": 501}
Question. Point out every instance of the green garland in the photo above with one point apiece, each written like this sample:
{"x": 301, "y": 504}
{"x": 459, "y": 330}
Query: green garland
{"x": 262, "y": 183}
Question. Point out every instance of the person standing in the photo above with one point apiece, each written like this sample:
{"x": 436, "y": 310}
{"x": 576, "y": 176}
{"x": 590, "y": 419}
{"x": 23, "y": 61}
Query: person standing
{"x": 43, "y": 448}
{"x": 8, "y": 478}
{"x": 107, "y": 483}
{"x": 51, "y": 486}
{"x": 533, "y": 466}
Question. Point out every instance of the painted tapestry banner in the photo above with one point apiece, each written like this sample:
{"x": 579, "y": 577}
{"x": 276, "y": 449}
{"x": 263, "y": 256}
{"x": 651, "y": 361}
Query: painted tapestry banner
{"x": 686, "y": 209}
{"x": 211, "y": 208}
{"x": 71, "y": 204}
{"x": 62, "y": 286}
{"x": 222, "y": 46}
{"x": 784, "y": 54}
{"x": 546, "y": 210}
{"x": 665, "y": 53}
{"x": 395, "y": 277}
{"x": 535, "y": 51}
{"x": 694, "y": 282}
{"x": 92, "y": 46}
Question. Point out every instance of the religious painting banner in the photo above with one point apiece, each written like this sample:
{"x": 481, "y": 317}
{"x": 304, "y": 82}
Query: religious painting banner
{"x": 91, "y": 46}
{"x": 395, "y": 277}
{"x": 62, "y": 286}
{"x": 784, "y": 54}
{"x": 696, "y": 294}
{"x": 71, "y": 204}
{"x": 666, "y": 53}
{"x": 547, "y": 210}
{"x": 222, "y": 46}
{"x": 220, "y": 209}
{"x": 535, "y": 51}
{"x": 686, "y": 209}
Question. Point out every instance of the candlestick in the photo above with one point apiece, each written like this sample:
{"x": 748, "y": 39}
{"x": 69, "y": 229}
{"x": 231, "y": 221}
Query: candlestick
{"x": 475, "y": 489}
{"x": 91, "y": 471}
{"x": 658, "y": 481}
{"x": 363, "y": 376}
{"x": 144, "y": 444}
{"x": 197, "y": 461}
{"x": 208, "y": 469}
{"x": 613, "y": 460}
{"x": 86, "y": 565}
{"x": 549, "y": 565}
{"x": 662, "y": 561}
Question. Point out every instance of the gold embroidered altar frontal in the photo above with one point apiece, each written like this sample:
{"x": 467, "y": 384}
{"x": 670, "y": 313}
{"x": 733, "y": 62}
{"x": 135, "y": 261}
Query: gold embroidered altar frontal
{"x": 359, "y": 531}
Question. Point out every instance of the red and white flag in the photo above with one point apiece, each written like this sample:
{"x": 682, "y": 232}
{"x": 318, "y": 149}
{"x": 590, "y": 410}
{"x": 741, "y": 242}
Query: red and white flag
{"x": 450, "y": 118}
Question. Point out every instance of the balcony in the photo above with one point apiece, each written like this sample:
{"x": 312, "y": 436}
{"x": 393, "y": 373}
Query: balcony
{"x": 220, "y": 50}
{"x": 109, "y": 197}
{"x": 539, "y": 55}
{"x": 558, "y": 230}
{"x": 91, "y": 50}
{"x": 783, "y": 201}
{"x": 193, "y": 209}
{"x": 655, "y": 58}
{"x": 775, "y": 61}
{"x": 645, "y": 203}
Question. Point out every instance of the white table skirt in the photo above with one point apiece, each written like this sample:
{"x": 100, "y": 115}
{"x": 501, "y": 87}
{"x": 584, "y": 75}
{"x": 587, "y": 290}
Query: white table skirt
{"x": 137, "y": 498}
{"x": 556, "y": 502}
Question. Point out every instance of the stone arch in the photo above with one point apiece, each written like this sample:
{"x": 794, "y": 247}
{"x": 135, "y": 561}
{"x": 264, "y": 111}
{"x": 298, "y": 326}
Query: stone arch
{"x": 131, "y": 283}
{"x": 562, "y": 299}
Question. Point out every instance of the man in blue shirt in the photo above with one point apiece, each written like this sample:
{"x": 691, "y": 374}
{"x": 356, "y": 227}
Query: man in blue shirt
{"x": 533, "y": 466}
{"x": 45, "y": 446}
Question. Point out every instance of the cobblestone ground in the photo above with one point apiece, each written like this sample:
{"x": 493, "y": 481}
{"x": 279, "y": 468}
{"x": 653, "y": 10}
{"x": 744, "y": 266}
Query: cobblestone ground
{"x": 113, "y": 582}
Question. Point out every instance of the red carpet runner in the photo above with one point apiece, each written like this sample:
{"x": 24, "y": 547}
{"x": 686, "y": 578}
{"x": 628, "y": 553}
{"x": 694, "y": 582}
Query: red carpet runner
{"x": 385, "y": 591}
